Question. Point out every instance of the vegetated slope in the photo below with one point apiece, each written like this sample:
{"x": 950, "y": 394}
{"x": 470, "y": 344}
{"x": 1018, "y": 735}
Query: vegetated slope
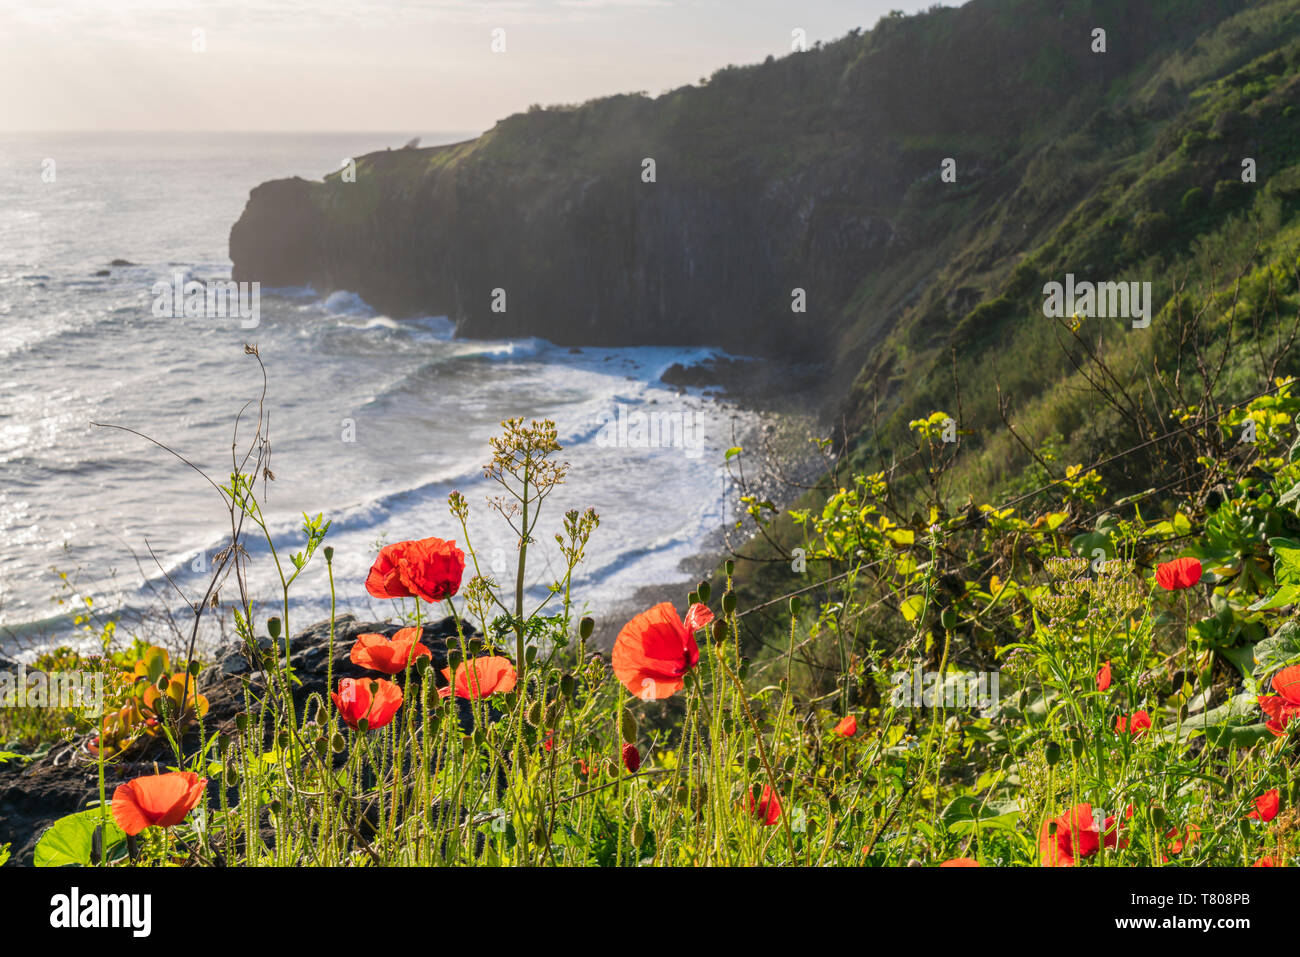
{"x": 817, "y": 171}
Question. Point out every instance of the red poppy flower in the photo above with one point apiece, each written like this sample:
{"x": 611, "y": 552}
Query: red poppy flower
{"x": 485, "y": 677}
{"x": 768, "y": 809}
{"x": 159, "y": 800}
{"x": 1179, "y": 574}
{"x": 1139, "y": 724}
{"x": 847, "y": 727}
{"x": 1176, "y": 843}
{"x": 355, "y": 701}
{"x": 960, "y": 862}
{"x": 656, "y": 648}
{"x": 1284, "y": 705}
{"x": 429, "y": 568}
{"x": 1103, "y": 677}
{"x": 631, "y": 758}
{"x": 1076, "y": 837}
{"x": 1265, "y": 861}
{"x": 389, "y": 655}
{"x": 549, "y": 741}
{"x": 1266, "y": 806}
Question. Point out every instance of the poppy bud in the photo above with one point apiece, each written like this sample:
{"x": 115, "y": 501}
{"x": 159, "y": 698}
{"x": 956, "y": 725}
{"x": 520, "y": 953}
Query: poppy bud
{"x": 704, "y": 592}
{"x": 1076, "y": 747}
{"x": 631, "y": 758}
{"x": 530, "y": 654}
{"x": 454, "y": 658}
{"x": 692, "y": 598}
{"x": 743, "y": 668}
{"x": 195, "y": 668}
{"x": 795, "y": 605}
{"x": 948, "y": 618}
{"x": 719, "y": 630}
{"x": 681, "y": 795}
{"x": 422, "y": 665}
{"x": 273, "y": 627}
{"x": 730, "y": 567}
{"x": 223, "y": 742}
{"x": 539, "y": 834}
{"x": 232, "y": 776}
{"x": 338, "y": 743}
{"x": 568, "y": 685}
{"x": 586, "y": 627}
{"x": 1053, "y": 753}
{"x": 329, "y": 553}
{"x": 1158, "y": 816}
{"x": 241, "y": 721}
{"x": 627, "y": 726}
{"x": 512, "y": 698}
{"x": 553, "y": 711}
{"x": 282, "y": 740}
{"x": 729, "y": 602}
{"x": 322, "y": 748}
{"x": 790, "y": 763}
{"x": 638, "y": 834}
{"x": 534, "y": 715}
{"x": 835, "y": 804}
{"x": 275, "y": 805}
{"x": 751, "y": 763}
{"x": 480, "y": 736}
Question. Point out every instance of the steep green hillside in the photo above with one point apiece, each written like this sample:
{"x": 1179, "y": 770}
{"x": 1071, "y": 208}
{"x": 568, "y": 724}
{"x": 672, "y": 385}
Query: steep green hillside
{"x": 818, "y": 171}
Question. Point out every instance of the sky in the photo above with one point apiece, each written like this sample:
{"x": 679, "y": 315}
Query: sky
{"x": 353, "y": 65}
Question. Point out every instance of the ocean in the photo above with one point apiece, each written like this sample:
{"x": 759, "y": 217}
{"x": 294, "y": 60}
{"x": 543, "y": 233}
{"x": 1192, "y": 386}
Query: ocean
{"x": 373, "y": 421}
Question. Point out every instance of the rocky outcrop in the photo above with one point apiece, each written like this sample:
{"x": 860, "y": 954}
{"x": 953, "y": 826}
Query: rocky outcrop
{"x": 65, "y": 780}
{"x": 791, "y": 209}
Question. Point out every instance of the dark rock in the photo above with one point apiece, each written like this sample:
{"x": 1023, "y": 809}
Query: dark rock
{"x": 123, "y": 262}
{"x": 103, "y": 272}
{"x": 65, "y": 780}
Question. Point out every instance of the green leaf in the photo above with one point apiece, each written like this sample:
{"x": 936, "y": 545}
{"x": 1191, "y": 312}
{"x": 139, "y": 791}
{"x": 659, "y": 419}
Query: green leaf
{"x": 69, "y": 841}
{"x": 733, "y": 452}
{"x": 1278, "y": 650}
{"x": 1234, "y": 723}
{"x": 911, "y": 607}
{"x": 4, "y": 854}
{"x": 968, "y": 813}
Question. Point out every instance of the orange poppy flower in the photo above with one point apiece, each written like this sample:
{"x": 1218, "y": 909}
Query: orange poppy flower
{"x": 491, "y": 674}
{"x": 656, "y": 648}
{"x": 429, "y": 568}
{"x": 389, "y": 655}
{"x": 1076, "y": 837}
{"x": 768, "y": 809}
{"x": 159, "y": 800}
{"x": 356, "y": 700}
{"x": 1284, "y": 705}
{"x": 1176, "y": 843}
{"x": 1103, "y": 677}
{"x": 1265, "y": 861}
{"x": 960, "y": 862}
{"x": 847, "y": 727}
{"x": 1179, "y": 574}
{"x": 1137, "y": 725}
{"x": 1266, "y": 806}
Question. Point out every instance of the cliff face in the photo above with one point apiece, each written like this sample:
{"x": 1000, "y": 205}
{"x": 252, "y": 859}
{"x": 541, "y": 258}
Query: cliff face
{"x": 819, "y": 172}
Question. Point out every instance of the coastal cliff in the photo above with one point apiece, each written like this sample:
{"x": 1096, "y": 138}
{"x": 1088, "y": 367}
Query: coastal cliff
{"x": 877, "y": 204}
